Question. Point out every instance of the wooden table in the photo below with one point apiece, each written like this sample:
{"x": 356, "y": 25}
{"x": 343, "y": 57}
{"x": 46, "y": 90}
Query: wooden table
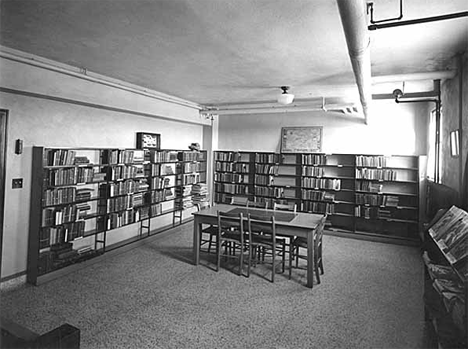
{"x": 287, "y": 224}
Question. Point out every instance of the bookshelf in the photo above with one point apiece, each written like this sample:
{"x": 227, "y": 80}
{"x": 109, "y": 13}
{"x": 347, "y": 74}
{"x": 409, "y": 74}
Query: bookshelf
{"x": 361, "y": 194}
{"x": 445, "y": 259}
{"x": 79, "y": 196}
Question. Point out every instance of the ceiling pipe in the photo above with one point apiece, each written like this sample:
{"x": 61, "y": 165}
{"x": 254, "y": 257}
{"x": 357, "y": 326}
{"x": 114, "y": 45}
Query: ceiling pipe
{"x": 353, "y": 15}
{"x": 434, "y": 75}
{"x": 418, "y": 21}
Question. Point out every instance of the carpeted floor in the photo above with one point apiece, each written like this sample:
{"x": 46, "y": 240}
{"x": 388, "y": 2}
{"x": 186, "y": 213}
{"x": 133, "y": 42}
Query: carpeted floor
{"x": 154, "y": 297}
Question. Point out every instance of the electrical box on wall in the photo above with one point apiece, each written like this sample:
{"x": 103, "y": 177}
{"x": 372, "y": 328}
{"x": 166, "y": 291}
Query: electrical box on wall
{"x": 17, "y": 183}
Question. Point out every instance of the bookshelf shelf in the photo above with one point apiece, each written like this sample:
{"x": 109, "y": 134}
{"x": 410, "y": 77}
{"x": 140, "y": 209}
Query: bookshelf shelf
{"x": 78, "y": 196}
{"x": 336, "y": 184}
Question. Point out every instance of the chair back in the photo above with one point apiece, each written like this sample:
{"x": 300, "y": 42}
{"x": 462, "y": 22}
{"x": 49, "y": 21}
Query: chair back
{"x": 320, "y": 228}
{"x": 202, "y": 205}
{"x": 239, "y": 200}
{"x": 231, "y": 224}
{"x": 262, "y": 224}
{"x": 285, "y": 207}
{"x": 257, "y": 204}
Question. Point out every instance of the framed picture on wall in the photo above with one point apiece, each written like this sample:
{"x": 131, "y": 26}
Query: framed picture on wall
{"x": 306, "y": 139}
{"x": 148, "y": 140}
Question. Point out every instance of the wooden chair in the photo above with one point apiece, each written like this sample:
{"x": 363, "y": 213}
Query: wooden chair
{"x": 208, "y": 234}
{"x": 263, "y": 241}
{"x": 239, "y": 200}
{"x": 232, "y": 237}
{"x": 285, "y": 207}
{"x": 300, "y": 242}
{"x": 256, "y": 204}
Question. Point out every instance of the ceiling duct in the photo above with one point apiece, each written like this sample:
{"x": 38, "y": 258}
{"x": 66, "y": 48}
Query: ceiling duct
{"x": 353, "y": 15}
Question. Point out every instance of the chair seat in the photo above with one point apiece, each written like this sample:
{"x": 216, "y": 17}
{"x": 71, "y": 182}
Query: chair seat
{"x": 232, "y": 235}
{"x": 210, "y": 230}
{"x": 265, "y": 239}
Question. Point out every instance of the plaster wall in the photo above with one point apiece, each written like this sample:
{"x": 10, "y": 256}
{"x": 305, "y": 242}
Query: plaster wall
{"x": 455, "y": 109}
{"x": 52, "y": 123}
{"x": 399, "y": 129}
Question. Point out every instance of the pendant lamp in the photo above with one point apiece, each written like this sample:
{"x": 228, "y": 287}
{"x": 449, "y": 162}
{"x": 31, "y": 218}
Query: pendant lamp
{"x": 285, "y": 98}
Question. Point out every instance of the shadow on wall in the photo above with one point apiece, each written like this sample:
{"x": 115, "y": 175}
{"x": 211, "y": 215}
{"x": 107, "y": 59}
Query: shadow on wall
{"x": 440, "y": 196}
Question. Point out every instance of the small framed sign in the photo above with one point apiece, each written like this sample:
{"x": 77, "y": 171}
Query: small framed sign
{"x": 301, "y": 139}
{"x": 148, "y": 140}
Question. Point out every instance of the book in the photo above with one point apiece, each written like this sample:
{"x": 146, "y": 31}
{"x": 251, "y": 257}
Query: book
{"x": 443, "y": 225}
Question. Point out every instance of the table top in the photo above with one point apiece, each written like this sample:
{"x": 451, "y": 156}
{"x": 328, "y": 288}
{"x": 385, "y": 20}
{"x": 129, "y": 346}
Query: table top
{"x": 282, "y": 218}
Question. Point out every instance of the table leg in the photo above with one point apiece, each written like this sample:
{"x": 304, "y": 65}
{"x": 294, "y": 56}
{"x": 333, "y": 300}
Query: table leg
{"x": 196, "y": 240}
{"x": 310, "y": 259}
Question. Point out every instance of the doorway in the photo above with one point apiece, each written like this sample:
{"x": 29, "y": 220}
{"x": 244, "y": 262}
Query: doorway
{"x": 3, "y": 149}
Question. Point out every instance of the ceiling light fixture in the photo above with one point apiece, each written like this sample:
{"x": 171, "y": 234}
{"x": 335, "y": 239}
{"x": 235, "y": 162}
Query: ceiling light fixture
{"x": 285, "y": 98}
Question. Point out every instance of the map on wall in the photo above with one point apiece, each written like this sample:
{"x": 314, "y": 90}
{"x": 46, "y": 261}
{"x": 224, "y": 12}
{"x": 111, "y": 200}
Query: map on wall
{"x": 301, "y": 139}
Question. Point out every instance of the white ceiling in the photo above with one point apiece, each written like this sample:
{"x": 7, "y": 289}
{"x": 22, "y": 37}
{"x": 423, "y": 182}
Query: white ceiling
{"x": 230, "y": 51}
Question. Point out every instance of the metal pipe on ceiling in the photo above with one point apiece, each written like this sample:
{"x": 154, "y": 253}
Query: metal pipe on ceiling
{"x": 418, "y": 21}
{"x": 354, "y": 20}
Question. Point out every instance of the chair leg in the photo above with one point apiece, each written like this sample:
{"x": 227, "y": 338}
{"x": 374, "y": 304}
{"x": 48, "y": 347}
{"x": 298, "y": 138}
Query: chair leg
{"x": 317, "y": 274}
{"x": 273, "y": 269}
{"x": 291, "y": 251}
{"x": 218, "y": 253}
{"x": 210, "y": 243}
{"x": 283, "y": 256}
{"x": 241, "y": 258}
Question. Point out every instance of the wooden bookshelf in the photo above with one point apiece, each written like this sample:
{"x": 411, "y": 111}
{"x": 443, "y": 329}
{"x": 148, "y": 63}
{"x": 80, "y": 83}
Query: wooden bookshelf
{"x": 79, "y": 196}
{"x": 369, "y": 194}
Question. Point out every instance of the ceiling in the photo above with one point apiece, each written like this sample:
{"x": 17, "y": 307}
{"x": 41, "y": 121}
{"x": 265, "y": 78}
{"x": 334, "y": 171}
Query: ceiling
{"x": 216, "y": 52}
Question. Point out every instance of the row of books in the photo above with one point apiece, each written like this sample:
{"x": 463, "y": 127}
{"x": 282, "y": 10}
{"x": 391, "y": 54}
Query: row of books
{"x": 316, "y": 195}
{"x": 313, "y": 171}
{"x": 129, "y": 186}
{"x": 125, "y": 172}
{"x": 268, "y": 158}
{"x": 369, "y": 186}
{"x": 159, "y": 182}
{"x": 162, "y": 155}
{"x": 121, "y": 156}
{"x": 451, "y": 233}
{"x": 231, "y": 188}
{"x": 377, "y": 200}
{"x": 59, "y": 157}
{"x": 68, "y": 176}
{"x": 376, "y": 174}
{"x": 321, "y": 183}
{"x": 159, "y": 195}
{"x": 57, "y": 235}
{"x": 318, "y": 207}
{"x": 266, "y": 169}
{"x": 191, "y": 156}
{"x": 264, "y": 180}
{"x": 125, "y": 202}
{"x": 276, "y": 192}
{"x": 118, "y": 219}
{"x": 190, "y": 178}
{"x": 229, "y": 156}
{"x": 58, "y": 216}
{"x": 372, "y": 212}
{"x": 371, "y": 161}
{"x": 187, "y": 167}
{"x": 231, "y": 177}
{"x": 313, "y": 159}
{"x": 232, "y": 167}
